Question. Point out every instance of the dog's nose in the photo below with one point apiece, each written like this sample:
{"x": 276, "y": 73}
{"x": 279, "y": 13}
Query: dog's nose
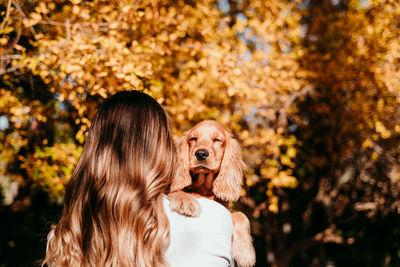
{"x": 201, "y": 154}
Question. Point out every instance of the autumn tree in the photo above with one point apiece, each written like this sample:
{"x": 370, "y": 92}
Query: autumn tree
{"x": 346, "y": 204}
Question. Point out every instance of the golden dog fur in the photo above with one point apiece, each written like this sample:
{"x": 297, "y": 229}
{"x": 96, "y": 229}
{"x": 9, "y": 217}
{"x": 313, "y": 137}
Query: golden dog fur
{"x": 211, "y": 166}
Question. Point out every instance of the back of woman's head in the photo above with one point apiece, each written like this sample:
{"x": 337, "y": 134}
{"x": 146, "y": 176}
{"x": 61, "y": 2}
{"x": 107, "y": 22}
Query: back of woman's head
{"x": 113, "y": 212}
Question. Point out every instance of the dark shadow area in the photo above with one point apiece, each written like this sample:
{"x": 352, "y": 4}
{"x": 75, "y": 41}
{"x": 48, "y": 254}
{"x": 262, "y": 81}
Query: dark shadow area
{"x": 24, "y": 227}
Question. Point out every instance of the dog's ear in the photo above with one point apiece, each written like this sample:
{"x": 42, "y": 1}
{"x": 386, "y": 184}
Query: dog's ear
{"x": 182, "y": 176}
{"x": 228, "y": 183}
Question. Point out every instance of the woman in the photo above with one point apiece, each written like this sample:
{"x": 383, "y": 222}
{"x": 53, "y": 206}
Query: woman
{"x": 115, "y": 206}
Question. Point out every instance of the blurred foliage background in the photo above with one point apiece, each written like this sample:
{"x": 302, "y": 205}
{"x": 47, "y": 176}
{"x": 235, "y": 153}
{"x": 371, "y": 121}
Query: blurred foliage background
{"x": 311, "y": 88}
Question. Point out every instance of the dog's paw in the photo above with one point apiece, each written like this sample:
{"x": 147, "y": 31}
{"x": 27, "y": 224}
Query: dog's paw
{"x": 243, "y": 253}
{"x": 184, "y": 204}
{"x": 242, "y": 246}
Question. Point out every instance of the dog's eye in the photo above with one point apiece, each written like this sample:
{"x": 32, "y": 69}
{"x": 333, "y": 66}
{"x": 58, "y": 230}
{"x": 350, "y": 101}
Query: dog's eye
{"x": 192, "y": 139}
{"x": 218, "y": 140}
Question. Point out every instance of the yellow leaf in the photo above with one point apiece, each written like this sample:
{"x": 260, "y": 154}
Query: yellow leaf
{"x": 273, "y": 208}
{"x": 382, "y": 130}
{"x": 291, "y": 152}
{"x": 3, "y": 41}
{"x": 35, "y": 16}
{"x": 374, "y": 156}
{"x": 367, "y": 143}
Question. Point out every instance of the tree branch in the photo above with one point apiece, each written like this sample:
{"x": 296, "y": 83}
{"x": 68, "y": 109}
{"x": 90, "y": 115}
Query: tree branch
{"x": 7, "y": 15}
{"x": 18, "y": 7}
{"x": 7, "y": 57}
{"x": 11, "y": 69}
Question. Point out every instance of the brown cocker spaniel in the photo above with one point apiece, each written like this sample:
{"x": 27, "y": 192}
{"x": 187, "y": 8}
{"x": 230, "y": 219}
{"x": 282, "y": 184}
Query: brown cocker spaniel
{"x": 210, "y": 165}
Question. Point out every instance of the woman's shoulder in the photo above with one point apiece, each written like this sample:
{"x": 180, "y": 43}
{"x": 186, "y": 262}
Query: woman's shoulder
{"x": 213, "y": 215}
{"x": 213, "y": 208}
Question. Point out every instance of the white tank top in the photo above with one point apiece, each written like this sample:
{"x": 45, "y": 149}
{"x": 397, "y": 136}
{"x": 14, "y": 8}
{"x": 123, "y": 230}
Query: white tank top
{"x": 201, "y": 241}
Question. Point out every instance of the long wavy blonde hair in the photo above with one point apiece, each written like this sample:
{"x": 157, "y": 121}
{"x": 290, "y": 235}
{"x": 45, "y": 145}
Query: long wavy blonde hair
{"x": 113, "y": 210}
